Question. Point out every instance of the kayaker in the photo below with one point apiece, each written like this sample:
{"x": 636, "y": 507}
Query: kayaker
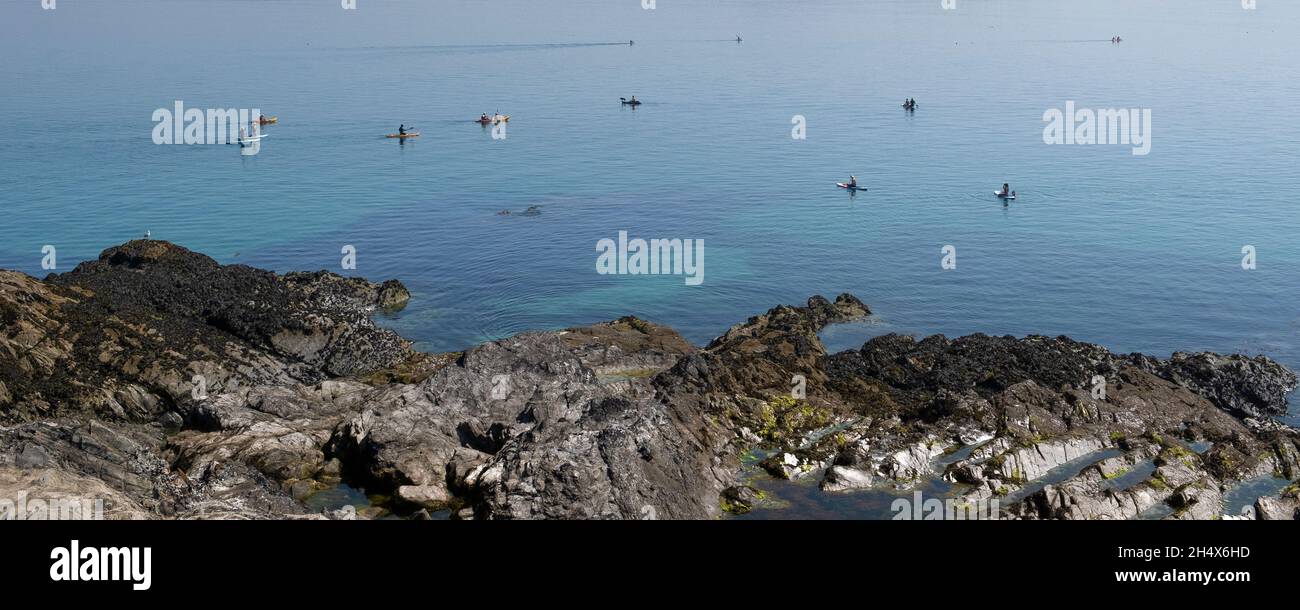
{"x": 483, "y": 118}
{"x": 634, "y": 102}
{"x": 853, "y": 182}
{"x": 401, "y": 129}
{"x": 1006, "y": 189}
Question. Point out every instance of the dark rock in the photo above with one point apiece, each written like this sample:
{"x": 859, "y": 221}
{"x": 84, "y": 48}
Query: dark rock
{"x": 1244, "y": 386}
{"x": 740, "y": 499}
{"x": 171, "y": 420}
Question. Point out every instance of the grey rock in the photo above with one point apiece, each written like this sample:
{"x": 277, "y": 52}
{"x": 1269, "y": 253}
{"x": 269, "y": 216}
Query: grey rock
{"x": 32, "y": 456}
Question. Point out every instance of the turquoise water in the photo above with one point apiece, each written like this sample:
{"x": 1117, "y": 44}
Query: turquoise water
{"x": 1139, "y": 253}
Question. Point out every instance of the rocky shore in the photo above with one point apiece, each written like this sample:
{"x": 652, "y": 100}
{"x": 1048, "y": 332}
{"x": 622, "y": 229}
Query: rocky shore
{"x": 170, "y": 386}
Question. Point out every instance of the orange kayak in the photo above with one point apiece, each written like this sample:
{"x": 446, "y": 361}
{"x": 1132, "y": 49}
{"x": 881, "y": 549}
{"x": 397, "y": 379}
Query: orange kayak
{"x": 414, "y": 134}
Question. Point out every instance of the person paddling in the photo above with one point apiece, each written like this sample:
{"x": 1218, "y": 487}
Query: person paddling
{"x": 401, "y": 129}
{"x": 853, "y": 182}
{"x": 1006, "y": 190}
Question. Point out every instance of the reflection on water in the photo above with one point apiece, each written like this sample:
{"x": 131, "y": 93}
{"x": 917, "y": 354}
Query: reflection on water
{"x": 337, "y": 497}
{"x": 804, "y": 500}
{"x": 1246, "y": 492}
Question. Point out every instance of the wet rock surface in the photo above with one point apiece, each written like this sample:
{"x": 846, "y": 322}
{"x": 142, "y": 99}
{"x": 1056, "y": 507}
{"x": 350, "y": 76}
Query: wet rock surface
{"x": 170, "y": 386}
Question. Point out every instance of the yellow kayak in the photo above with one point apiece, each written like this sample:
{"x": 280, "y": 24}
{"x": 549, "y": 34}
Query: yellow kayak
{"x": 414, "y": 134}
{"x": 269, "y": 120}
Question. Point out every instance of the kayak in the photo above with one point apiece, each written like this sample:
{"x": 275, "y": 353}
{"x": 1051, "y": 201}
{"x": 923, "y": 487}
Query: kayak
{"x": 413, "y": 134}
{"x": 851, "y": 188}
{"x": 630, "y": 102}
{"x": 269, "y": 120}
{"x": 505, "y": 118}
{"x": 1002, "y": 195}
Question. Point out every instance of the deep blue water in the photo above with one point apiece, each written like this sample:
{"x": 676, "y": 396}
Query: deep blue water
{"x": 1139, "y": 253}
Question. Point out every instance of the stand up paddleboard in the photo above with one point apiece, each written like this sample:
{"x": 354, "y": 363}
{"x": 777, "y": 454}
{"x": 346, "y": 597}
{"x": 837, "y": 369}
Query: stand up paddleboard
{"x": 248, "y": 140}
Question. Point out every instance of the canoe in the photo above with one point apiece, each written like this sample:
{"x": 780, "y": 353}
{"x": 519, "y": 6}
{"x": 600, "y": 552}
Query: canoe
{"x": 413, "y": 134}
{"x": 269, "y": 120}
